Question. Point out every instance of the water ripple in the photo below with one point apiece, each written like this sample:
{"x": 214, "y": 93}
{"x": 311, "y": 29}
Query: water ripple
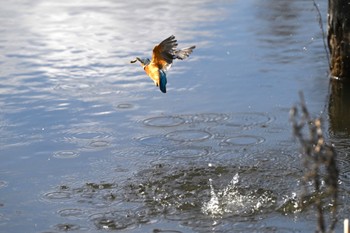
{"x": 71, "y": 213}
{"x": 99, "y": 143}
{"x": 164, "y": 121}
{"x": 186, "y": 152}
{"x": 249, "y": 119}
{"x": 155, "y": 140}
{"x": 57, "y": 195}
{"x": 124, "y": 106}
{"x": 242, "y": 140}
{"x": 205, "y": 118}
{"x": 65, "y": 154}
{"x": 87, "y": 136}
{"x": 118, "y": 220}
{"x": 68, "y": 227}
{"x": 190, "y": 135}
{"x": 3, "y": 184}
{"x": 344, "y": 166}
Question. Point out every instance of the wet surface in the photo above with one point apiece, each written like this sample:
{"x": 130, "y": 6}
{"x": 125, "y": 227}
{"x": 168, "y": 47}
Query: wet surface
{"x": 89, "y": 144}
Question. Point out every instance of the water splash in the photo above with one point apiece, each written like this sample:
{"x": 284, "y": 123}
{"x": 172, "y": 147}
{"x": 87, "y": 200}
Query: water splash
{"x": 291, "y": 204}
{"x": 235, "y": 200}
{"x": 213, "y": 205}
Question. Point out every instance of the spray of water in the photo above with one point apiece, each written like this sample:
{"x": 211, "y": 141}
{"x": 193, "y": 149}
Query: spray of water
{"x": 235, "y": 200}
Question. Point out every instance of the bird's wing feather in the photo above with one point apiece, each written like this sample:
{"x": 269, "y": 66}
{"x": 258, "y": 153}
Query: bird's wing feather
{"x": 164, "y": 53}
{"x": 184, "y": 53}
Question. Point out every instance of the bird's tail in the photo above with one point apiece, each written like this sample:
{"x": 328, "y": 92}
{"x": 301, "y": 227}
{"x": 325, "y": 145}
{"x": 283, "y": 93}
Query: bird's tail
{"x": 162, "y": 81}
{"x": 184, "y": 53}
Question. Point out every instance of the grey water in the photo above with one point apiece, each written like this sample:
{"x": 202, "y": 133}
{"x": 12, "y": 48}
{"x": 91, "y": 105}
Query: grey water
{"x": 89, "y": 144}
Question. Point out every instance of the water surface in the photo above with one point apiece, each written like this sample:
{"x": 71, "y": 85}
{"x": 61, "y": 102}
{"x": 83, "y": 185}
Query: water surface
{"x": 88, "y": 143}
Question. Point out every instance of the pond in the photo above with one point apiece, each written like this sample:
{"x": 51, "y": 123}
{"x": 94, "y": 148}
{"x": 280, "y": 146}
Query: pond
{"x": 88, "y": 143}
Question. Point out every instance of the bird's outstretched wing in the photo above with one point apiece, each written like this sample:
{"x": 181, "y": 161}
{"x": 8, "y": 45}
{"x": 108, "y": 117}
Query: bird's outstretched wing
{"x": 184, "y": 53}
{"x": 164, "y": 53}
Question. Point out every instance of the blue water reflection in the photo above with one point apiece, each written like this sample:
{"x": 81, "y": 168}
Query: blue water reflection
{"x": 75, "y": 112}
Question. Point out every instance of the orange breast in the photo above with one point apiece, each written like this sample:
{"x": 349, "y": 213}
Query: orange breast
{"x": 153, "y": 72}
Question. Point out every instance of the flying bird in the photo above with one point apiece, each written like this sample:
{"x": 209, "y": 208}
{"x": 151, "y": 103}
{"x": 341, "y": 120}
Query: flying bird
{"x": 163, "y": 55}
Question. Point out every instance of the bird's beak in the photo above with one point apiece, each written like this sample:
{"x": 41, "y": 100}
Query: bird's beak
{"x": 135, "y": 60}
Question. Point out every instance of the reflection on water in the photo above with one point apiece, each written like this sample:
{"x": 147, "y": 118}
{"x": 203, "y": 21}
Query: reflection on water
{"x": 339, "y": 127}
{"x": 88, "y": 144}
{"x": 339, "y": 112}
{"x": 279, "y": 21}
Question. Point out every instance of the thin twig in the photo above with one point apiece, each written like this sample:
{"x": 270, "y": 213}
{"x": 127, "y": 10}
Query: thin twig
{"x": 320, "y": 22}
{"x": 319, "y": 160}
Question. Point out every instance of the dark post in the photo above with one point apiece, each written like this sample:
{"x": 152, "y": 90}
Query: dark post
{"x": 339, "y": 38}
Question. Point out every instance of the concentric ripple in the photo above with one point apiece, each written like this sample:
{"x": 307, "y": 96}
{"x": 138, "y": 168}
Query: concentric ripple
{"x": 154, "y": 140}
{"x": 284, "y": 159}
{"x": 67, "y": 227}
{"x": 205, "y": 118}
{"x": 249, "y": 119}
{"x": 118, "y": 221}
{"x": 88, "y": 138}
{"x": 243, "y": 140}
{"x": 230, "y": 155}
{"x": 190, "y": 135}
{"x": 99, "y": 143}
{"x": 164, "y": 121}
{"x": 71, "y": 213}
{"x": 189, "y": 152}
{"x": 3, "y": 184}
{"x": 57, "y": 195}
{"x": 65, "y": 154}
{"x": 125, "y": 106}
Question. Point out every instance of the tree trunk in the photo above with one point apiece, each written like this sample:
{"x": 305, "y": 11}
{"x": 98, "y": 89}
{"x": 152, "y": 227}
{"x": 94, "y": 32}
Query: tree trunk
{"x": 339, "y": 38}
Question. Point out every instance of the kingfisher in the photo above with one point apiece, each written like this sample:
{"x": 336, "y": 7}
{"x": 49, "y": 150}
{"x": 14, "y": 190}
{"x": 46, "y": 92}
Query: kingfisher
{"x": 162, "y": 58}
